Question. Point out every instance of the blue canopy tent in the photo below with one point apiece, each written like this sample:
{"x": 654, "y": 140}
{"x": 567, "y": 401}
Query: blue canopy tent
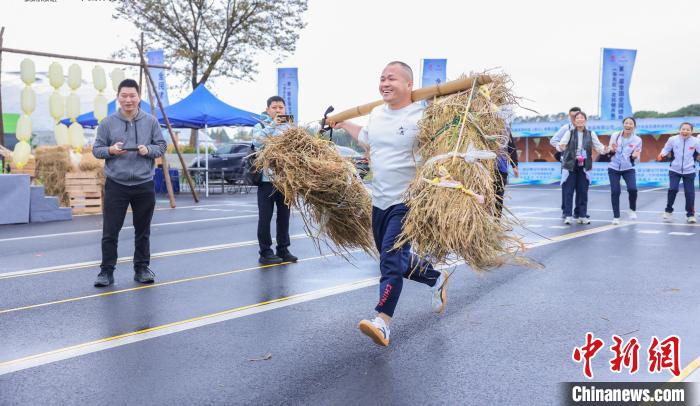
{"x": 88, "y": 120}
{"x": 201, "y": 109}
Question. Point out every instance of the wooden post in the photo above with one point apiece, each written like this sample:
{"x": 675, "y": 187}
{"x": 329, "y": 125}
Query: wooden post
{"x": 2, "y": 125}
{"x": 141, "y": 72}
{"x": 166, "y": 170}
{"x": 78, "y": 58}
{"x": 167, "y": 124}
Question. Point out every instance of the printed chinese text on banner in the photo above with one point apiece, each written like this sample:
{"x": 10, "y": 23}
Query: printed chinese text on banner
{"x": 615, "y": 83}
{"x": 433, "y": 71}
{"x": 288, "y": 88}
{"x": 156, "y": 57}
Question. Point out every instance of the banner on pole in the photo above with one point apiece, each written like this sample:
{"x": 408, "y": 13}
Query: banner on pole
{"x": 288, "y": 89}
{"x": 615, "y": 83}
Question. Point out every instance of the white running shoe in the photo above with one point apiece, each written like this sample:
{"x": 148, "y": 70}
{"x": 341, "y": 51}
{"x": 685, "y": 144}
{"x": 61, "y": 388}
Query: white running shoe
{"x": 616, "y": 221}
{"x": 633, "y": 215}
{"x": 438, "y": 299}
{"x": 692, "y": 220}
{"x": 584, "y": 220}
{"x": 568, "y": 220}
{"x": 376, "y": 329}
{"x": 667, "y": 216}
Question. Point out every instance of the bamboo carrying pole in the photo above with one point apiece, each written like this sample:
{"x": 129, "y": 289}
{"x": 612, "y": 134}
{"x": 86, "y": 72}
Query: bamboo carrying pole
{"x": 167, "y": 124}
{"x": 424, "y": 93}
{"x": 77, "y": 58}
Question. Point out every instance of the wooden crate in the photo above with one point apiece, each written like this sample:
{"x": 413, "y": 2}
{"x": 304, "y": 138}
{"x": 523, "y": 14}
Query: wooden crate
{"x": 85, "y": 192}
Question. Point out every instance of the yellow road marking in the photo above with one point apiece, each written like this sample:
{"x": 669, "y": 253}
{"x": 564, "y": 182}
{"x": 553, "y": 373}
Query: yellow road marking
{"x": 685, "y": 372}
{"x": 154, "y": 285}
{"x": 181, "y": 322}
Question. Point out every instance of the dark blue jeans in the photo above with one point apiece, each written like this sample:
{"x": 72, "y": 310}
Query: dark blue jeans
{"x": 396, "y": 264}
{"x": 268, "y": 198}
{"x": 576, "y": 182}
{"x": 630, "y": 180}
{"x": 688, "y": 188}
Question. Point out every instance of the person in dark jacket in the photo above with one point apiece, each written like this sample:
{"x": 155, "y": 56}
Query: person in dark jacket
{"x": 508, "y": 154}
{"x": 129, "y": 141}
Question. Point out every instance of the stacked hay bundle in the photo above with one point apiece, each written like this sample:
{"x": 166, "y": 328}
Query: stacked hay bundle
{"x": 53, "y": 162}
{"x": 324, "y": 186}
{"x": 452, "y": 210}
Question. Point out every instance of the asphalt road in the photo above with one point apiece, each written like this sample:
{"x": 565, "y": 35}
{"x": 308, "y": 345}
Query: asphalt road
{"x": 216, "y": 328}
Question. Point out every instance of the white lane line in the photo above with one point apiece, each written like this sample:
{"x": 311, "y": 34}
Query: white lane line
{"x": 560, "y": 227}
{"x": 680, "y": 233}
{"x": 654, "y": 223}
{"x": 649, "y": 231}
{"x": 533, "y": 226}
{"x": 654, "y": 189}
{"x": 128, "y": 338}
{"x": 183, "y": 325}
{"x": 32, "y": 237}
{"x": 90, "y": 264}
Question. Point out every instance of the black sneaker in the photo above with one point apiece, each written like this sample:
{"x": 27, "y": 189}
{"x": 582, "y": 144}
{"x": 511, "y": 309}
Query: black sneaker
{"x": 104, "y": 278}
{"x": 287, "y": 256}
{"x": 270, "y": 259}
{"x": 143, "y": 274}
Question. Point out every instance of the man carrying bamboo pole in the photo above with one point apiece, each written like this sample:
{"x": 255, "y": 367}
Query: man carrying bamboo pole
{"x": 390, "y": 136}
{"x": 129, "y": 141}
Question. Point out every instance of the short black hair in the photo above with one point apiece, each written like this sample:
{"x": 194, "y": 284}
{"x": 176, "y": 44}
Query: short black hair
{"x": 275, "y": 99}
{"x": 129, "y": 83}
{"x": 574, "y": 110}
{"x": 404, "y": 66}
{"x": 580, "y": 113}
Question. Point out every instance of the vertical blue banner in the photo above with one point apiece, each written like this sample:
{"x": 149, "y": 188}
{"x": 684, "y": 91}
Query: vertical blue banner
{"x": 288, "y": 88}
{"x": 156, "y": 57}
{"x": 433, "y": 71}
{"x": 615, "y": 81}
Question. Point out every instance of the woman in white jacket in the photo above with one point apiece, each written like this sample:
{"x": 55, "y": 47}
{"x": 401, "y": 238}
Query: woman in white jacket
{"x": 626, "y": 148}
{"x": 684, "y": 147}
{"x": 576, "y": 147}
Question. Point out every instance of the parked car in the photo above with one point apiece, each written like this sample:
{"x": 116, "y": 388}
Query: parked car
{"x": 227, "y": 157}
{"x": 358, "y": 159}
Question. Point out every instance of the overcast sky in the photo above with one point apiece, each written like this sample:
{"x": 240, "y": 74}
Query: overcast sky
{"x": 550, "y": 48}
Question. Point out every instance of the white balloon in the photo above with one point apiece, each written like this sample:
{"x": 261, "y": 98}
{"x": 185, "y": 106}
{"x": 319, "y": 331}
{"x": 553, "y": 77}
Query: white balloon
{"x": 61, "y": 134}
{"x": 73, "y": 105}
{"x": 24, "y": 128}
{"x": 57, "y": 105}
{"x": 117, "y": 77}
{"x": 28, "y": 100}
{"x": 56, "y": 78}
{"x": 76, "y": 136}
{"x": 74, "y": 76}
{"x": 20, "y": 156}
{"x": 27, "y": 71}
{"x": 99, "y": 80}
{"x": 100, "y": 107}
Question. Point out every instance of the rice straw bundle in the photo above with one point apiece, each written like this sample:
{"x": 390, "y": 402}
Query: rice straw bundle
{"x": 317, "y": 180}
{"x": 452, "y": 199}
{"x": 53, "y": 162}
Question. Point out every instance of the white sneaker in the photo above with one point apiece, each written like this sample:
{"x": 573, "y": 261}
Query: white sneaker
{"x": 438, "y": 299}
{"x": 633, "y": 215}
{"x": 692, "y": 220}
{"x": 584, "y": 220}
{"x": 376, "y": 329}
{"x": 568, "y": 220}
{"x": 667, "y": 216}
{"x": 616, "y": 221}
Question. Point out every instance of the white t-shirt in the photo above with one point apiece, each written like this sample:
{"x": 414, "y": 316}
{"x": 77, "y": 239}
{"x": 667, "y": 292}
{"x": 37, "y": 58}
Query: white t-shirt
{"x": 391, "y": 136}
